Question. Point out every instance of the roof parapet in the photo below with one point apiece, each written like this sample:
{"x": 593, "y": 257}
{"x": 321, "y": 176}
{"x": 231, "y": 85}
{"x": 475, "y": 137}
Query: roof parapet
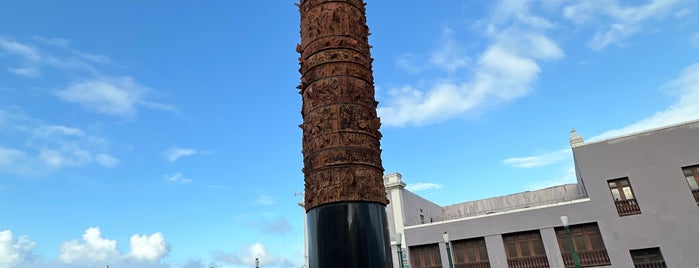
{"x": 575, "y": 139}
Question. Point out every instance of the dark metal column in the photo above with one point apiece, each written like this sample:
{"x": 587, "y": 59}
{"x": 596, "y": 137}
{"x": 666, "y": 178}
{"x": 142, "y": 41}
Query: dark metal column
{"x": 345, "y": 198}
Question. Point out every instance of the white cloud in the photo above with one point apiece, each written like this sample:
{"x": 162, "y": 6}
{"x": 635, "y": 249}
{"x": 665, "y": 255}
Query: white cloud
{"x": 540, "y": 160}
{"x": 13, "y": 47}
{"x": 49, "y": 131}
{"x": 10, "y": 158}
{"x": 48, "y": 147}
{"x": 174, "y": 153}
{"x": 15, "y": 252}
{"x": 149, "y": 248}
{"x": 92, "y": 248}
{"x": 265, "y": 200}
{"x": 567, "y": 175}
{"x": 449, "y": 57}
{"x": 66, "y": 157}
{"x": 504, "y": 71}
{"x": 120, "y": 96}
{"x": 422, "y": 186}
{"x": 686, "y": 108}
{"x": 106, "y": 160}
{"x": 29, "y": 71}
{"x": 178, "y": 178}
{"x": 624, "y": 21}
{"x": 245, "y": 256}
{"x": 686, "y": 87}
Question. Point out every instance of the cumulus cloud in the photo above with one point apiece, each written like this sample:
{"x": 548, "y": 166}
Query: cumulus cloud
{"x": 178, "y": 178}
{"x": 15, "y": 252}
{"x": 504, "y": 71}
{"x": 93, "y": 249}
{"x": 174, "y": 153}
{"x": 423, "y": 186}
{"x": 148, "y": 248}
{"x": 119, "y": 96}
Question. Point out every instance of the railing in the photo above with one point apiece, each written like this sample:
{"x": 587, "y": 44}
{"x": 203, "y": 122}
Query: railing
{"x": 474, "y": 264}
{"x": 652, "y": 264}
{"x": 627, "y": 207}
{"x": 529, "y": 262}
{"x": 416, "y": 220}
{"x": 588, "y": 258}
{"x": 695, "y": 192}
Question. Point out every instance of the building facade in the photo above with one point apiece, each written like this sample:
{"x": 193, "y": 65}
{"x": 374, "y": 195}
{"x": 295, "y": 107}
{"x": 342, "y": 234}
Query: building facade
{"x": 635, "y": 204}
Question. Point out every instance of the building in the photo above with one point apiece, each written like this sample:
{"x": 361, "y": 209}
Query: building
{"x": 635, "y": 203}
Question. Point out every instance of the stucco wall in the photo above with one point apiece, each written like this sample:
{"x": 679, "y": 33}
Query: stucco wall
{"x": 653, "y": 163}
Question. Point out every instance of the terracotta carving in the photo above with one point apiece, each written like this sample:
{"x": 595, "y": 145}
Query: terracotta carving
{"x": 341, "y": 138}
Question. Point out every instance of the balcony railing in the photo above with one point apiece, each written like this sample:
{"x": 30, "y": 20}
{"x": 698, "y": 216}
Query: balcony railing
{"x": 529, "y": 262}
{"x": 627, "y": 207}
{"x": 695, "y": 192}
{"x": 653, "y": 264}
{"x": 474, "y": 264}
{"x": 588, "y": 258}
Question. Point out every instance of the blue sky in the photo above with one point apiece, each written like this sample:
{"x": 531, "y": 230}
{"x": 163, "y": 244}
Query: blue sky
{"x": 165, "y": 133}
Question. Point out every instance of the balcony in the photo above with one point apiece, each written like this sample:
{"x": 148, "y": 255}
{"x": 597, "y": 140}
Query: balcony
{"x": 476, "y": 264}
{"x": 653, "y": 264}
{"x": 528, "y": 262}
{"x": 588, "y": 258}
{"x": 627, "y": 207}
{"x": 695, "y": 192}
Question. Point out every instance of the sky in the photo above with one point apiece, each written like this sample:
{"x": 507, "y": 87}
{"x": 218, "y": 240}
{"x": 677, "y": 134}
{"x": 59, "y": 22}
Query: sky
{"x": 165, "y": 133}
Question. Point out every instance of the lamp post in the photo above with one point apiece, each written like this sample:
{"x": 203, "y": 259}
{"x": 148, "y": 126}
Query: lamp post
{"x": 257, "y": 263}
{"x": 399, "y": 239}
{"x": 446, "y": 242}
{"x": 576, "y": 260}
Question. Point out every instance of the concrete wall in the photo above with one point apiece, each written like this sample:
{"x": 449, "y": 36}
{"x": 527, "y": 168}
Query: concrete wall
{"x": 549, "y": 195}
{"x": 653, "y": 163}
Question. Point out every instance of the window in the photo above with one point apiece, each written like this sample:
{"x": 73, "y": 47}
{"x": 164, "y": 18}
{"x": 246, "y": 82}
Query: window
{"x": 647, "y": 258}
{"x": 525, "y": 250}
{"x": 426, "y": 256}
{"x": 692, "y": 175}
{"x": 623, "y": 197}
{"x": 470, "y": 253}
{"x": 588, "y": 243}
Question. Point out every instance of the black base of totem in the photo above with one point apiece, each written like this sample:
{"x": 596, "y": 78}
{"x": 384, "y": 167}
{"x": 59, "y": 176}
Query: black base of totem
{"x": 349, "y": 235}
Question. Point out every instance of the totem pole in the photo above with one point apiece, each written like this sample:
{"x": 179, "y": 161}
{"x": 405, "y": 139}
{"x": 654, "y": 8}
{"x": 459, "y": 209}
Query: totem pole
{"x": 345, "y": 199}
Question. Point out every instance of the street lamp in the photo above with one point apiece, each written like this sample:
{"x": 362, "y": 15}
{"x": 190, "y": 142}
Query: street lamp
{"x": 399, "y": 239}
{"x": 257, "y": 263}
{"x": 576, "y": 260}
{"x": 446, "y": 242}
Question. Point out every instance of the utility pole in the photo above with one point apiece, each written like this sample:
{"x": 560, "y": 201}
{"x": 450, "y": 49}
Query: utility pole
{"x": 345, "y": 199}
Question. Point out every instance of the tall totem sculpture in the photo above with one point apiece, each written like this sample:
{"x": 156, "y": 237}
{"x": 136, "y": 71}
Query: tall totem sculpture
{"x": 345, "y": 199}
